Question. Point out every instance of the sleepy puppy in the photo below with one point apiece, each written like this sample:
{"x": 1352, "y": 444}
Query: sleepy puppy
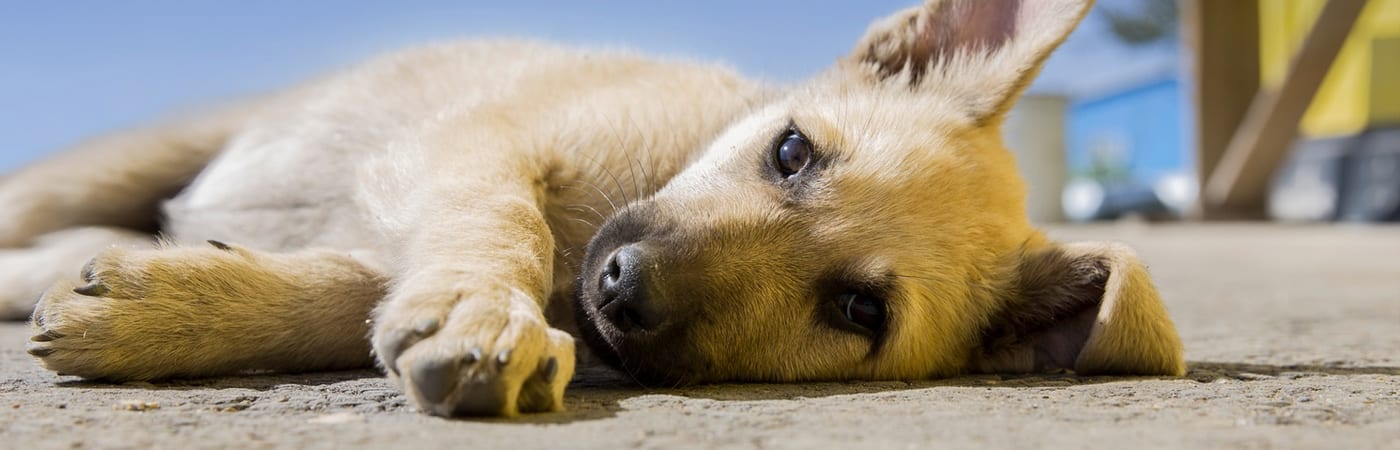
{"x": 460, "y": 213}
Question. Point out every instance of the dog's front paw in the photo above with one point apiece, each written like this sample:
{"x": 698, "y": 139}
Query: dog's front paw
{"x": 482, "y": 352}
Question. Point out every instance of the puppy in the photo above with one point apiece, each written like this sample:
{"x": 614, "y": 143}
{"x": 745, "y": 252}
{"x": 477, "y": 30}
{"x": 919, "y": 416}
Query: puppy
{"x": 459, "y": 213}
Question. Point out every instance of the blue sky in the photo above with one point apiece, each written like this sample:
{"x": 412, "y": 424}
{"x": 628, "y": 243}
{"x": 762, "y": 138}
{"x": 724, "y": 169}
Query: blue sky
{"x": 73, "y": 69}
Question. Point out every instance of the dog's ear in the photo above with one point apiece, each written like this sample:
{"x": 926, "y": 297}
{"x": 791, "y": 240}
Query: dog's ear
{"x": 1090, "y": 308}
{"x": 982, "y": 53}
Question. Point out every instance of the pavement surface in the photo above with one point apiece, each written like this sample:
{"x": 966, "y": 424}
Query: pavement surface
{"x": 1292, "y": 333}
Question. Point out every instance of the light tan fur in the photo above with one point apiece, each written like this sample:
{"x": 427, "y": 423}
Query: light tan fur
{"x": 448, "y": 193}
{"x": 251, "y": 308}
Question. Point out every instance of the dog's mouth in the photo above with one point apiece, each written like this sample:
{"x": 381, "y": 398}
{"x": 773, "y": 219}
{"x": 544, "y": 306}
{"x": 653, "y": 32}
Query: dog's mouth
{"x": 618, "y": 339}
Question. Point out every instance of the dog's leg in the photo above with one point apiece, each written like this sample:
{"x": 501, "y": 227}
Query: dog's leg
{"x": 26, "y": 273}
{"x": 118, "y": 180}
{"x": 463, "y": 332}
{"x": 186, "y": 312}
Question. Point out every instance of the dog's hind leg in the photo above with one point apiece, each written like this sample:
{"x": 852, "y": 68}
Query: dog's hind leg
{"x": 204, "y": 311}
{"x": 26, "y": 273}
{"x": 118, "y": 180}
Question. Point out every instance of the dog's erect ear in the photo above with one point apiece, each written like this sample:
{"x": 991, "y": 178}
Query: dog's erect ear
{"x": 982, "y": 53}
{"x": 1090, "y": 308}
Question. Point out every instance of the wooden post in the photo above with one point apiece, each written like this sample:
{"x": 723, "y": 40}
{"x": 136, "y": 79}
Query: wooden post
{"x": 1223, "y": 40}
{"x": 1240, "y": 181}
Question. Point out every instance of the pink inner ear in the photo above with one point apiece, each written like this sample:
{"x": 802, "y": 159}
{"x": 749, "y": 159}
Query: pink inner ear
{"x": 969, "y": 25}
{"x": 1058, "y": 347}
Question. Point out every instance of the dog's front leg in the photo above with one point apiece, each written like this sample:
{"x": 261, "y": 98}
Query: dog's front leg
{"x": 463, "y": 331}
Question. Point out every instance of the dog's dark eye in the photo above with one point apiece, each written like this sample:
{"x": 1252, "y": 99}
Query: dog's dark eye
{"x": 792, "y": 153}
{"x": 863, "y": 310}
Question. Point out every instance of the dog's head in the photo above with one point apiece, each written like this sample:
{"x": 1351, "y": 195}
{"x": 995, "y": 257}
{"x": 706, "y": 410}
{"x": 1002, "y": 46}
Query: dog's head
{"x": 871, "y": 226}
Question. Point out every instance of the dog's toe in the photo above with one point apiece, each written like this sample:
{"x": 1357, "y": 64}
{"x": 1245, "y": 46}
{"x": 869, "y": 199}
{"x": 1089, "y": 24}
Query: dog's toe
{"x": 392, "y": 343}
{"x": 470, "y": 385}
{"x": 434, "y": 379}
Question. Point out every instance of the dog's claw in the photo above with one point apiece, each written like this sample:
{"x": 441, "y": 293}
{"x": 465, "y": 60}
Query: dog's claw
{"x": 426, "y": 327}
{"x": 220, "y": 245}
{"x": 40, "y": 351}
{"x": 47, "y": 336}
{"x": 89, "y": 272}
{"x": 92, "y": 290}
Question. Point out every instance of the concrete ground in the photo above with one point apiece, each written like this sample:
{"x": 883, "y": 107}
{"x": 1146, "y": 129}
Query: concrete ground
{"x": 1293, "y": 335}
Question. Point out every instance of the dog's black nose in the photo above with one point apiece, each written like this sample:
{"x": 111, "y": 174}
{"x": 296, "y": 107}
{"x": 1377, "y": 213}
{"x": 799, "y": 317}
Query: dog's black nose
{"x": 626, "y": 300}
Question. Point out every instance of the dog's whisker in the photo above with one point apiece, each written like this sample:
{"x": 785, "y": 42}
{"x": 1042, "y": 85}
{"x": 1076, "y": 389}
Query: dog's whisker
{"x": 627, "y": 369}
{"x": 583, "y": 207}
{"x": 616, "y": 182}
{"x": 585, "y": 222}
{"x": 636, "y": 187}
{"x": 620, "y": 143}
{"x": 593, "y": 194}
{"x": 648, "y": 183}
{"x": 678, "y": 383}
{"x": 629, "y": 157}
{"x": 596, "y": 167}
{"x": 603, "y": 194}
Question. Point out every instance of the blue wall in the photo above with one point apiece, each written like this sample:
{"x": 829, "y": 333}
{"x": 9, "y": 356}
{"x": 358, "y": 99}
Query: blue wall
{"x": 1142, "y": 128}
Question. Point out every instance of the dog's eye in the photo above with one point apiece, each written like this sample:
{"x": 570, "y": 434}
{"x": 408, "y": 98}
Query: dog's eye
{"x": 792, "y": 153}
{"x": 863, "y": 310}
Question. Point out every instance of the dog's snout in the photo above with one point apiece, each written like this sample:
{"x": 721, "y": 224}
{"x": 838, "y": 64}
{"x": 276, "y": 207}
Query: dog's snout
{"x": 626, "y": 299}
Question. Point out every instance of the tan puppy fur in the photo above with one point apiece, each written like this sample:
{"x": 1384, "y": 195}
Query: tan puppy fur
{"x": 472, "y": 198}
{"x": 255, "y": 304}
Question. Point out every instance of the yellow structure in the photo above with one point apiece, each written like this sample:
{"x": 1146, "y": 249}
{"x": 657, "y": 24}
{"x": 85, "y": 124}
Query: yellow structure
{"x": 1362, "y": 89}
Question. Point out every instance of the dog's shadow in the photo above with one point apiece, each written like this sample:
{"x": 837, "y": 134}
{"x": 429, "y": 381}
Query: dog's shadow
{"x": 602, "y": 394}
{"x": 598, "y": 394}
{"x": 252, "y": 380}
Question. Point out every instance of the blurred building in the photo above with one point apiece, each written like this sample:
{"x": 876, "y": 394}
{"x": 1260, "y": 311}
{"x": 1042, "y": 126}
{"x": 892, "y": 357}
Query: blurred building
{"x": 1128, "y": 124}
{"x": 1362, "y": 90}
{"x": 1346, "y": 163}
{"x": 1131, "y": 142}
{"x": 1128, "y": 145}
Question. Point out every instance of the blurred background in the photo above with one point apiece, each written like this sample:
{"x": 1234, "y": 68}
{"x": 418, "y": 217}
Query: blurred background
{"x": 1158, "y": 109}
